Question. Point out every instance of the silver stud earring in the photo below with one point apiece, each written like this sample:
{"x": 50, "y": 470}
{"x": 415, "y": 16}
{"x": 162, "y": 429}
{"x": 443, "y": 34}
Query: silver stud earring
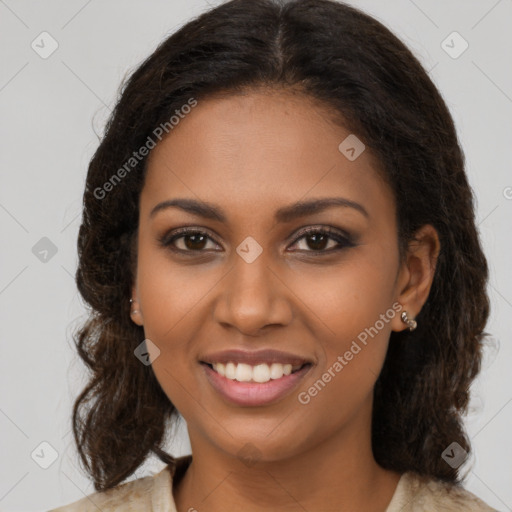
{"x": 133, "y": 311}
{"x": 412, "y": 324}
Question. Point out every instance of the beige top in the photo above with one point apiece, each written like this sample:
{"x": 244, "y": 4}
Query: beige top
{"x": 154, "y": 494}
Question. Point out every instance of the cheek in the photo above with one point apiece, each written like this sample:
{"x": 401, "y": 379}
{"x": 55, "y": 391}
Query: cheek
{"x": 350, "y": 296}
{"x": 353, "y": 307}
{"x": 170, "y": 292}
{"x": 173, "y": 298}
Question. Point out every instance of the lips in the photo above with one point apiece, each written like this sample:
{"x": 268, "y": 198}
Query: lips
{"x": 254, "y": 378}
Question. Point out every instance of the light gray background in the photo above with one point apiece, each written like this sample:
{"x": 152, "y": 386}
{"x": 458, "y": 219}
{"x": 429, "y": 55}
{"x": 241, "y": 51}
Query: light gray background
{"x": 50, "y": 110}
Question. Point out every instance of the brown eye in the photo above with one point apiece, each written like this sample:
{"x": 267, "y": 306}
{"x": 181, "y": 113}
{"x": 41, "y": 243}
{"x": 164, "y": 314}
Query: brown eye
{"x": 194, "y": 242}
{"x": 323, "y": 240}
{"x": 188, "y": 240}
{"x": 317, "y": 241}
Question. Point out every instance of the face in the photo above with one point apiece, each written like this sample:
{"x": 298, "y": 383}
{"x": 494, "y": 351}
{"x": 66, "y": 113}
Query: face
{"x": 242, "y": 274}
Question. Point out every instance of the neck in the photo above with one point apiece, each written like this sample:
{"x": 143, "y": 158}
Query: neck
{"x": 338, "y": 474}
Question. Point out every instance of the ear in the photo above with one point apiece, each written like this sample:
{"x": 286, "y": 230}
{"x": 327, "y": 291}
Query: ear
{"x": 417, "y": 274}
{"x": 135, "y": 311}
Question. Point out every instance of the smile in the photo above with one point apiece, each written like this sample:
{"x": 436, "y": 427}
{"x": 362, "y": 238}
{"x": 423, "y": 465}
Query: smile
{"x": 254, "y": 378}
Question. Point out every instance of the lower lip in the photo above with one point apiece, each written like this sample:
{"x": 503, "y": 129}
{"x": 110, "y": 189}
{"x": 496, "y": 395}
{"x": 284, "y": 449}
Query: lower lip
{"x": 254, "y": 393}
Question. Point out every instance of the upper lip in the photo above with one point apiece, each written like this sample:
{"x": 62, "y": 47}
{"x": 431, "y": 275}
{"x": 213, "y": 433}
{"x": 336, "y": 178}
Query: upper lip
{"x": 255, "y": 357}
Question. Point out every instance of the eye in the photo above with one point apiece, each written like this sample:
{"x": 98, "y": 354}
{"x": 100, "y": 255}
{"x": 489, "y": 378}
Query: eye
{"x": 187, "y": 240}
{"x": 320, "y": 240}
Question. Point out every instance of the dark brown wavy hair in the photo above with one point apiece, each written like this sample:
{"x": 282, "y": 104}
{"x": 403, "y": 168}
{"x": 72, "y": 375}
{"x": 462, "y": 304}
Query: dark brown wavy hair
{"x": 371, "y": 83}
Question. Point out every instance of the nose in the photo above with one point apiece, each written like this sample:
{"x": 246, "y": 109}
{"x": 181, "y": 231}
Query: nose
{"x": 253, "y": 296}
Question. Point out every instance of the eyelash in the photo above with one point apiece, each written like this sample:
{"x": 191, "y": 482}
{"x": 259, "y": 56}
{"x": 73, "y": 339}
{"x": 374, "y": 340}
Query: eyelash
{"x": 344, "y": 241}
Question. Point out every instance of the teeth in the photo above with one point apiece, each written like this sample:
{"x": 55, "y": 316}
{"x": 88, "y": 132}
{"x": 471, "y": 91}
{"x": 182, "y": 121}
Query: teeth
{"x": 276, "y": 371}
{"x": 220, "y": 369}
{"x": 230, "y": 371}
{"x": 243, "y": 373}
{"x": 260, "y": 373}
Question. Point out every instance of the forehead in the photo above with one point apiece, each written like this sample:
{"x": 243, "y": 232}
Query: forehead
{"x": 263, "y": 149}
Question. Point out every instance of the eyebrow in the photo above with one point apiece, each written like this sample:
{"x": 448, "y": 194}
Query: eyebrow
{"x": 284, "y": 214}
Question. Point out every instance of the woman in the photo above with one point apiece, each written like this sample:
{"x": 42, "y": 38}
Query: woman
{"x": 279, "y": 243}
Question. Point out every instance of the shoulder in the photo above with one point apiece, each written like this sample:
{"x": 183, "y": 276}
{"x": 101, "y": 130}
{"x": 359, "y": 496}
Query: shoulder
{"x": 143, "y": 494}
{"x": 417, "y": 493}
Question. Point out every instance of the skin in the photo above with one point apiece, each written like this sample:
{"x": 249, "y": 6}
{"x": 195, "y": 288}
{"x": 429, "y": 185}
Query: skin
{"x": 251, "y": 154}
